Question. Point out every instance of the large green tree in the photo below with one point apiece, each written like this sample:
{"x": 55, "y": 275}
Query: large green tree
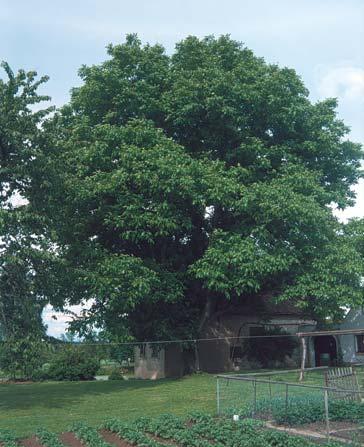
{"x": 29, "y": 267}
{"x": 177, "y": 185}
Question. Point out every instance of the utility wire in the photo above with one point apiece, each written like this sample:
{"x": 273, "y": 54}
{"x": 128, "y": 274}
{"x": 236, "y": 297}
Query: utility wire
{"x": 191, "y": 340}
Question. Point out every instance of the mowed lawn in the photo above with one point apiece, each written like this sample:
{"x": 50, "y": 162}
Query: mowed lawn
{"x": 56, "y": 405}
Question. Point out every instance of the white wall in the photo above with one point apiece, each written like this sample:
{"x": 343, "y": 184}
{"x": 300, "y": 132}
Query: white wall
{"x": 151, "y": 365}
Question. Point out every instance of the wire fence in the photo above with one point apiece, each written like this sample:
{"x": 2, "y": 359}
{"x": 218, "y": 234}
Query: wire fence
{"x": 172, "y": 358}
{"x": 258, "y": 376}
{"x": 308, "y": 408}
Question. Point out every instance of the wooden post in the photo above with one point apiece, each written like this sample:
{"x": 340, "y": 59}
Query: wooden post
{"x": 327, "y": 416}
{"x": 218, "y": 396}
{"x": 356, "y": 386}
{"x": 303, "y": 360}
{"x": 197, "y": 358}
{"x": 255, "y": 396}
{"x": 286, "y": 416}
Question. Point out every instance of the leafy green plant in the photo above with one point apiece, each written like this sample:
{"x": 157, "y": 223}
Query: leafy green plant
{"x": 131, "y": 434}
{"x": 23, "y": 358}
{"x": 307, "y": 408}
{"x": 116, "y": 374}
{"x": 88, "y": 435}
{"x": 73, "y": 363}
{"x": 149, "y": 142}
{"x": 197, "y": 430}
{"x": 7, "y": 438}
{"x": 270, "y": 351}
{"x": 48, "y": 438}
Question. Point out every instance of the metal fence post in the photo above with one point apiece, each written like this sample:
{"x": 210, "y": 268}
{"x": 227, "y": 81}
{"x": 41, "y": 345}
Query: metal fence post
{"x": 255, "y": 396}
{"x": 326, "y": 399}
{"x": 286, "y": 403}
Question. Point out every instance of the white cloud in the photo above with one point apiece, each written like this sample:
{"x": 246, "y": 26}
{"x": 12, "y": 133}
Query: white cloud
{"x": 57, "y": 322}
{"x": 346, "y": 83}
{"x": 354, "y": 211}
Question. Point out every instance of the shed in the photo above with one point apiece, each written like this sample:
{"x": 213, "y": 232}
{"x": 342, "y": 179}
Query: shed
{"x": 352, "y": 345}
{"x": 152, "y": 361}
{"x": 328, "y": 348}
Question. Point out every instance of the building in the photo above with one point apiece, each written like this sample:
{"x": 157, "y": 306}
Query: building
{"x": 152, "y": 361}
{"x": 223, "y": 343}
{"x": 343, "y": 344}
{"x": 352, "y": 345}
{"x": 252, "y": 318}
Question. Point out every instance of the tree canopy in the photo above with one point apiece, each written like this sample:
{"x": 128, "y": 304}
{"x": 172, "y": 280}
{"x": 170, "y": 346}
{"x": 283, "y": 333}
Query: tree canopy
{"x": 174, "y": 185}
{"x": 29, "y": 266}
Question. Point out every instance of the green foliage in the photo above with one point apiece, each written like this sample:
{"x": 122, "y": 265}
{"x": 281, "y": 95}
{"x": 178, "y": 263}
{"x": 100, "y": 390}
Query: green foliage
{"x": 196, "y": 178}
{"x": 48, "y": 438}
{"x": 116, "y": 374}
{"x": 88, "y": 435}
{"x": 204, "y": 431}
{"x": 130, "y": 434}
{"x": 8, "y": 439}
{"x": 29, "y": 267}
{"x": 19, "y": 128}
{"x": 309, "y": 408}
{"x": 196, "y": 431}
{"x": 270, "y": 351}
{"x": 73, "y": 363}
{"x": 189, "y": 180}
{"x": 22, "y": 358}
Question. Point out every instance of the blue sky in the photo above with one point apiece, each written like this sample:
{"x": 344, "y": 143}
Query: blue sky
{"x": 322, "y": 39}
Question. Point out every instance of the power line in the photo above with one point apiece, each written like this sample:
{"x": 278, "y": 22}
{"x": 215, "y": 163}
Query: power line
{"x": 190, "y": 340}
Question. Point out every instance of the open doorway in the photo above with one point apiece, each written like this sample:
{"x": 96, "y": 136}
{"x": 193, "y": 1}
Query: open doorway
{"x": 325, "y": 350}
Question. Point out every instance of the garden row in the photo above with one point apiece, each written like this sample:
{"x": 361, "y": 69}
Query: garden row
{"x": 198, "y": 430}
{"x": 303, "y": 409}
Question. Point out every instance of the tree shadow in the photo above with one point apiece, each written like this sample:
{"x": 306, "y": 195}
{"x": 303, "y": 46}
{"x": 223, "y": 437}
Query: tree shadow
{"x": 57, "y": 395}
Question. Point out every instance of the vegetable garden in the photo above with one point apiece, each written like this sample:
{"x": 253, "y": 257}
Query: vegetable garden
{"x": 197, "y": 430}
{"x": 309, "y": 408}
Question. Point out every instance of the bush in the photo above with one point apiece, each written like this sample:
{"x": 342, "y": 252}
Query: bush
{"x": 270, "y": 352}
{"x": 72, "y": 363}
{"x": 22, "y": 358}
{"x": 116, "y": 374}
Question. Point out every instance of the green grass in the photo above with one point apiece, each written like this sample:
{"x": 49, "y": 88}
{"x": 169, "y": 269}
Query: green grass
{"x": 56, "y": 405}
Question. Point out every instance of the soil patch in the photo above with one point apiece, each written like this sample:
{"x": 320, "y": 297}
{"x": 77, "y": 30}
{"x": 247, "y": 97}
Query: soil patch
{"x": 69, "y": 439}
{"x": 113, "y": 439}
{"x": 33, "y": 441}
{"x": 356, "y": 435}
{"x": 340, "y": 429}
{"x": 166, "y": 442}
{"x": 344, "y": 431}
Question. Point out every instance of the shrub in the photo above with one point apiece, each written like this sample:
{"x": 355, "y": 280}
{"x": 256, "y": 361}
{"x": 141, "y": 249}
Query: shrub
{"x": 22, "y": 358}
{"x": 116, "y": 374}
{"x": 72, "y": 363}
{"x": 270, "y": 352}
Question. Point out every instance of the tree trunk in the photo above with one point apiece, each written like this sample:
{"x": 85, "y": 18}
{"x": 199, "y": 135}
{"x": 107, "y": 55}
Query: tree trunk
{"x": 206, "y": 315}
{"x": 207, "y": 312}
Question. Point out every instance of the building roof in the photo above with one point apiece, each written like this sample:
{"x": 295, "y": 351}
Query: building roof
{"x": 333, "y": 332}
{"x": 265, "y": 305}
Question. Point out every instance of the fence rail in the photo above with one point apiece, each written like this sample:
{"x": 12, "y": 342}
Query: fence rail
{"x": 313, "y": 409}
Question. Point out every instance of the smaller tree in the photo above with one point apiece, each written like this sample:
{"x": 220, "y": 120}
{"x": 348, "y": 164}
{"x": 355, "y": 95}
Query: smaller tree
{"x": 23, "y": 358}
{"x": 73, "y": 363}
